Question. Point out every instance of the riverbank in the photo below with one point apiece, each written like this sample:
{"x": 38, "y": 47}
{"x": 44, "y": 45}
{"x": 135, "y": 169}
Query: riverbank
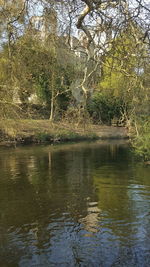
{"x": 43, "y": 131}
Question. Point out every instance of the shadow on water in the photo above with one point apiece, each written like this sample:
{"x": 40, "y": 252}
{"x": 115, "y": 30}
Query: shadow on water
{"x": 83, "y": 204}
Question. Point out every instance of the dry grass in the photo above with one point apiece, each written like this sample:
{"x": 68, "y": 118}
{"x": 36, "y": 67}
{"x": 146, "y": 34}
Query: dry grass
{"x": 43, "y": 131}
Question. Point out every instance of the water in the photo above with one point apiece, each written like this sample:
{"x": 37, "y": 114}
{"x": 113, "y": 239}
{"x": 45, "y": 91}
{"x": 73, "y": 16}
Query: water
{"x": 85, "y": 204}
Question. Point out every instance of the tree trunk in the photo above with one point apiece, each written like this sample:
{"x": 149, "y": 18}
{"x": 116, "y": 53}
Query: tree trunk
{"x": 52, "y": 100}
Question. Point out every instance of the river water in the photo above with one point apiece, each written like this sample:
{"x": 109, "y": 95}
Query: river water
{"x": 85, "y": 204}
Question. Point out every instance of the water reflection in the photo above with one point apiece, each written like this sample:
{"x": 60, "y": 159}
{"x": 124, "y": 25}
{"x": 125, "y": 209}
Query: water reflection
{"x": 90, "y": 221}
{"x": 73, "y": 205}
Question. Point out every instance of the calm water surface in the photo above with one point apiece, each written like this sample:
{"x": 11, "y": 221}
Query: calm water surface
{"x": 85, "y": 204}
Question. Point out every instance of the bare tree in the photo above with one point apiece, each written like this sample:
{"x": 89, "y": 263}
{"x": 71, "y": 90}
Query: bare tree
{"x": 97, "y": 24}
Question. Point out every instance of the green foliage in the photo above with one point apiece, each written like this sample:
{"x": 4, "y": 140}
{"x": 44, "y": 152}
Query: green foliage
{"x": 121, "y": 67}
{"x": 33, "y": 67}
{"x": 104, "y": 108}
{"x": 124, "y": 89}
{"x": 142, "y": 141}
{"x": 43, "y": 137}
{"x": 36, "y": 70}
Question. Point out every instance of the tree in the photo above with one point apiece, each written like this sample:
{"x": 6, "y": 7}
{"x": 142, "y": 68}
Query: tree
{"x": 95, "y": 30}
{"x": 31, "y": 62}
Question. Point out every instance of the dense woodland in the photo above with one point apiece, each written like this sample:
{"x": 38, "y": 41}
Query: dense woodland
{"x": 77, "y": 61}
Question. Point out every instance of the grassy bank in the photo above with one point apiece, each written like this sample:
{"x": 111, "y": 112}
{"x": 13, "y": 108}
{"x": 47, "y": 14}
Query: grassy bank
{"x": 43, "y": 131}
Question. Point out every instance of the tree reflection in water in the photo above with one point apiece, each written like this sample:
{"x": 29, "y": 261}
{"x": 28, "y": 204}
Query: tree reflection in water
{"x": 81, "y": 204}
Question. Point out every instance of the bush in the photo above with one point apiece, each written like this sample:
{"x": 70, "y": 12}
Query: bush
{"x": 103, "y": 108}
{"x": 142, "y": 142}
